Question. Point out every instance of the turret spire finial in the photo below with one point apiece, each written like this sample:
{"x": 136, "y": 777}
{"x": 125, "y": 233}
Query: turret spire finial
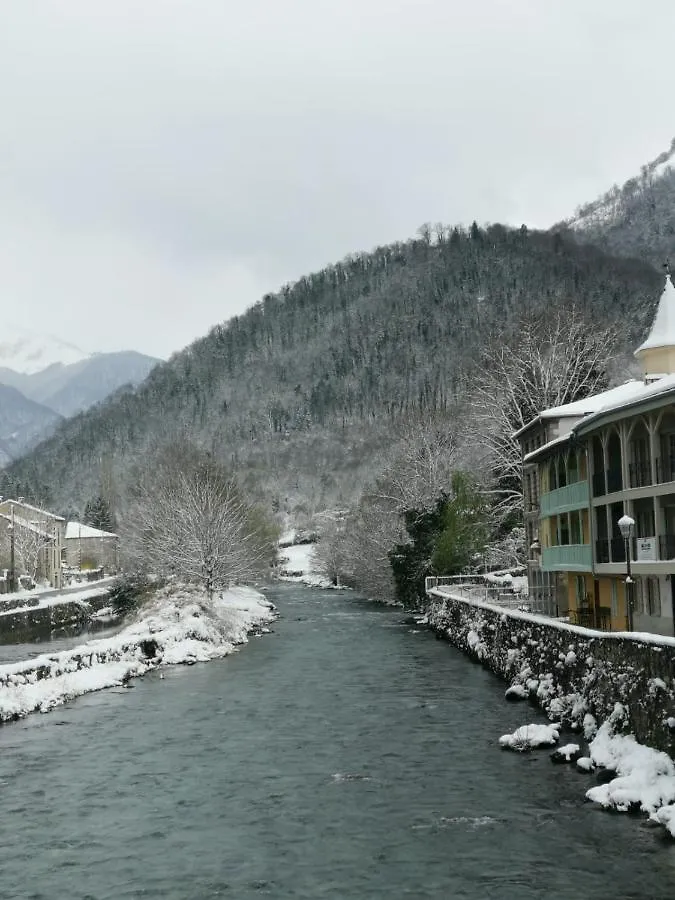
{"x": 666, "y": 266}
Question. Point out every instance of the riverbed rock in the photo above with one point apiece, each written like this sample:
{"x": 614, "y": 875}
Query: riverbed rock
{"x": 516, "y": 693}
{"x": 568, "y": 754}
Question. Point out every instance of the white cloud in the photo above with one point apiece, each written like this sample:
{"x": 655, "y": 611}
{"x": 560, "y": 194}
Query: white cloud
{"x": 176, "y": 159}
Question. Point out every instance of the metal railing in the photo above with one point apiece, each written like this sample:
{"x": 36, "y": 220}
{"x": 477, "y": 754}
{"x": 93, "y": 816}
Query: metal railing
{"x": 665, "y": 469}
{"x": 474, "y": 587}
{"x": 640, "y": 474}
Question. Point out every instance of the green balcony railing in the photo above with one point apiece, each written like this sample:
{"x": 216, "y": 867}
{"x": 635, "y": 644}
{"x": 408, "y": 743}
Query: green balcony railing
{"x": 569, "y": 558}
{"x": 564, "y": 499}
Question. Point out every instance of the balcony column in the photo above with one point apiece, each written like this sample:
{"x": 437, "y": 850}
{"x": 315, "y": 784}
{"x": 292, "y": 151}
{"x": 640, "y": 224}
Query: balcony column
{"x": 653, "y": 424}
{"x": 624, "y": 440}
{"x": 658, "y": 526}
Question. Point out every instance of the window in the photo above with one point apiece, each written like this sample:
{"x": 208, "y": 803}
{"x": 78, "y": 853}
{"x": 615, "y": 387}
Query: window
{"x": 563, "y": 530}
{"x": 614, "y": 597}
{"x": 653, "y": 597}
{"x": 576, "y": 528}
{"x": 580, "y": 590}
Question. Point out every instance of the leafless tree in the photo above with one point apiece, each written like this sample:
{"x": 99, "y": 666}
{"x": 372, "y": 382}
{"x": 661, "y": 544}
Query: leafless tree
{"x": 417, "y": 469}
{"x": 189, "y": 518}
{"x": 549, "y": 363}
{"x": 29, "y": 542}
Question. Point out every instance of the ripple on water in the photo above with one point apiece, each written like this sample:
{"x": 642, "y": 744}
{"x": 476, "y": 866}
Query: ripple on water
{"x": 341, "y": 758}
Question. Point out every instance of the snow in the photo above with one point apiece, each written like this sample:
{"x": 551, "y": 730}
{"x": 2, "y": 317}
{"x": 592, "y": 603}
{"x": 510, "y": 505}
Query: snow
{"x": 662, "y": 332}
{"x": 647, "y": 391}
{"x": 517, "y": 690}
{"x": 24, "y": 351}
{"x": 527, "y": 737}
{"x": 568, "y": 751}
{"x": 52, "y": 597}
{"x": 644, "y": 637}
{"x": 298, "y": 564}
{"x": 590, "y": 408}
{"x": 645, "y": 777}
{"x": 181, "y": 621}
{"x": 78, "y": 530}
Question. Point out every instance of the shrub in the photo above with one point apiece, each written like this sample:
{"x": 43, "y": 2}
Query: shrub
{"x": 129, "y": 592}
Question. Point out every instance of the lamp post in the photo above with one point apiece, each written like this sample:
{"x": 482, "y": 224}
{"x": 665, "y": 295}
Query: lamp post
{"x": 626, "y": 527}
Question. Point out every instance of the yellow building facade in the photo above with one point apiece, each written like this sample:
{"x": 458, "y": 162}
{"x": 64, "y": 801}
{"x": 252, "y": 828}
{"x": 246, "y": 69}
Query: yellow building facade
{"x": 594, "y": 462}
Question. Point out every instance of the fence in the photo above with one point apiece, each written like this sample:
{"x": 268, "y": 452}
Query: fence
{"x": 476, "y": 587}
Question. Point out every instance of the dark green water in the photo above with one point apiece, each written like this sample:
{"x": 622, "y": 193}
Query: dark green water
{"x": 344, "y": 756}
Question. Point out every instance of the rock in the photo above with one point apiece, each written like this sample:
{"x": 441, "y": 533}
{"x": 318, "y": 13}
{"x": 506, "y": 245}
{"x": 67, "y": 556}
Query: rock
{"x": 585, "y": 764}
{"x": 604, "y": 776}
{"x": 567, "y": 754}
{"x": 516, "y": 692}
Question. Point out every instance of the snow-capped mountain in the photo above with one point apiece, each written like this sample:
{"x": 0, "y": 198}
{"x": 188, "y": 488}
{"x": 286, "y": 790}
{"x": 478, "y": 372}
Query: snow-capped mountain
{"x": 637, "y": 219}
{"x": 43, "y": 379}
{"x": 25, "y": 352}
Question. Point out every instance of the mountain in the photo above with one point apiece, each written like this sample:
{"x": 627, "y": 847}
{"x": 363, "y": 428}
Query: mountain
{"x": 71, "y": 388}
{"x": 23, "y": 423}
{"x": 24, "y": 351}
{"x": 637, "y": 219}
{"x": 49, "y": 379}
{"x": 302, "y": 390}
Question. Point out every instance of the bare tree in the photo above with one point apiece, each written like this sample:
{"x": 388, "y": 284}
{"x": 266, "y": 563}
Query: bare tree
{"x": 189, "y": 518}
{"x": 29, "y": 542}
{"x": 417, "y": 469}
{"x": 549, "y": 363}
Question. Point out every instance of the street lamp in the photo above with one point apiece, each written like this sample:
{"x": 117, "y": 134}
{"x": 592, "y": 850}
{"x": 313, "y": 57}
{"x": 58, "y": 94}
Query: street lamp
{"x": 626, "y": 527}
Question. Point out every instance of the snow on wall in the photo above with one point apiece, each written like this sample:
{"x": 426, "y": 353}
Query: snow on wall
{"x": 180, "y": 626}
{"x": 570, "y": 672}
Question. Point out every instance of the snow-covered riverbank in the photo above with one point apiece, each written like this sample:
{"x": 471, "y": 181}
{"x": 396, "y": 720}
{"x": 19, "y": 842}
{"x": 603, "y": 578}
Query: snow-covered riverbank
{"x": 179, "y": 626}
{"x": 616, "y": 690}
{"x": 298, "y": 563}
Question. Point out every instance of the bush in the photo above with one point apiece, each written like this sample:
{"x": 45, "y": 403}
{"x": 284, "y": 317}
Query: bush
{"x": 129, "y": 592}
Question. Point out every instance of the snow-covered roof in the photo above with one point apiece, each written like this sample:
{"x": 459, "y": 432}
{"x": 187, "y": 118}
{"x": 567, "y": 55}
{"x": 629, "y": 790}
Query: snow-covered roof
{"x": 662, "y": 333}
{"x": 35, "y": 526}
{"x": 78, "y": 530}
{"x": 589, "y": 405}
{"x": 529, "y": 457}
{"x": 592, "y": 408}
{"x": 21, "y": 505}
{"x": 649, "y": 390}
{"x": 595, "y": 402}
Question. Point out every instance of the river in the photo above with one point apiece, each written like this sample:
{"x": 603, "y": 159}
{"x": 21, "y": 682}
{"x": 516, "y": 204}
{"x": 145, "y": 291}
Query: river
{"x": 346, "y": 755}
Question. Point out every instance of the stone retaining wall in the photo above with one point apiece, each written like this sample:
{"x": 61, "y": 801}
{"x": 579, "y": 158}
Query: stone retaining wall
{"x": 39, "y": 621}
{"x": 571, "y": 672}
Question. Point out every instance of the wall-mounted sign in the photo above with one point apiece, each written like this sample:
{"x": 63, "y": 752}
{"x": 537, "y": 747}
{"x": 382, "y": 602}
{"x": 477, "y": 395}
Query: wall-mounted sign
{"x": 646, "y": 549}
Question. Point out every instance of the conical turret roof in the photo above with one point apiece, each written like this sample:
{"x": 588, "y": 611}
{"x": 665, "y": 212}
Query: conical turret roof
{"x": 662, "y": 333}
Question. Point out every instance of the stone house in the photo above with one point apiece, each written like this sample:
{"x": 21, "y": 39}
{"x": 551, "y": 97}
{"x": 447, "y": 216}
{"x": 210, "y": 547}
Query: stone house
{"x": 37, "y": 538}
{"x": 86, "y": 547}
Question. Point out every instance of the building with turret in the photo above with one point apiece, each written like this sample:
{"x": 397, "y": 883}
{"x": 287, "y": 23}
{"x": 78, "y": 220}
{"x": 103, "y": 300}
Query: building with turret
{"x": 589, "y": 465}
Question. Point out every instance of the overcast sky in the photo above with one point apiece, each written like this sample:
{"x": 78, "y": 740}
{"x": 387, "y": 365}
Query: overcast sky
{"x": 164, "y": 163}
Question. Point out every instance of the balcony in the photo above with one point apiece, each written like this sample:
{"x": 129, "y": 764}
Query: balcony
{"x": 665, "y": 469}
{"x": 667, "y": 546}
{"x": 567, "y": 558}
{"x": 564, "y": 499}
{"x": 602, "y": 551}
{"x": 599, "y": 489}
{"x": 614, "y": 482}
{"x": 640, "y": 474}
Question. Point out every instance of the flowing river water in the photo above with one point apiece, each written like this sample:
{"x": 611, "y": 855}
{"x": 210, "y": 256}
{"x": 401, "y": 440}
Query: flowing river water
{"x": 347, "y": 755}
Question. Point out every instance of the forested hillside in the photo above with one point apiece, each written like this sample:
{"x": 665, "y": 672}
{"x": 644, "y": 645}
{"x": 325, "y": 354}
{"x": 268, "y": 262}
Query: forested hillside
{"x": 305, "y": 387}
{"x": 637, "y": 219}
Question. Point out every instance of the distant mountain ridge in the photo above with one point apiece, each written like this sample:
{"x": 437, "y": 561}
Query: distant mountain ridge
{"x": 69, "y": 389}
{"x": 302, "y": 390}
{"x": 23, "y": 423}
{"x": 44, "y": 379}
{"x": 637, "y": 219}
{"x": 28, "y": 352}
